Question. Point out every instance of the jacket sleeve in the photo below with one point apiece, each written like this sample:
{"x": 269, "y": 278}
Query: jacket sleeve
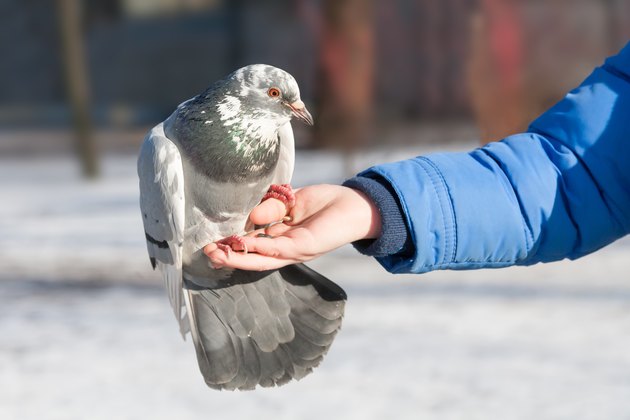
{"x": 561, "y": 190}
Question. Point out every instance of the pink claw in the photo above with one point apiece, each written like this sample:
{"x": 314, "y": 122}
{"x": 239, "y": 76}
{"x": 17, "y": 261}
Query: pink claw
{"x": 227, "y": 244}
{"x": 283, "y": 193}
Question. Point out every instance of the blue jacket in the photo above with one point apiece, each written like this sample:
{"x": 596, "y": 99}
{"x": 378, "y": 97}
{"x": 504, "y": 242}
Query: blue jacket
{"x": 561, "y": 190}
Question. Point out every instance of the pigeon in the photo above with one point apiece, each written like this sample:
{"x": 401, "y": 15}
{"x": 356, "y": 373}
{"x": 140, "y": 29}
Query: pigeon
{"x": 201, "y": 172}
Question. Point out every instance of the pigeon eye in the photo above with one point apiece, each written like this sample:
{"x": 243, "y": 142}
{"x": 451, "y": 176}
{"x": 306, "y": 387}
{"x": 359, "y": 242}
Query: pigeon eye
{"x": 273, "y": 92}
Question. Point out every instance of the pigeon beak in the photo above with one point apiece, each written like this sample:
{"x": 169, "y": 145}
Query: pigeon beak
{"x": 300, "y": 112}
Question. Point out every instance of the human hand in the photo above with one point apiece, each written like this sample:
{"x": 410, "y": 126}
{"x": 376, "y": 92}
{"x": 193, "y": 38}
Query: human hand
{"x": 324, "y": 218}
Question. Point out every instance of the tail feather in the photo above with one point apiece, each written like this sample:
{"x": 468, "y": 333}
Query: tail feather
{"x": 305, "y": 349}
{"x": 272, "y": 369}
{"x": 310, "y": 317}
{"x": 216, "y": 347}
{"x": 319, "y": 338}
{"x": 299, "y": 367}
{"x": 321, "y": 290}
{"x": 250, "y": 365}
{"x": 263, "y": 328}
{"x": 267, "y": 331}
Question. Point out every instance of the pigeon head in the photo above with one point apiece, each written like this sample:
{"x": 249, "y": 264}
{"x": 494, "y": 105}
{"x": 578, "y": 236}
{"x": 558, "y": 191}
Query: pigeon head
{"x": 231, "y": 131}
{"x": 268, "y": 92}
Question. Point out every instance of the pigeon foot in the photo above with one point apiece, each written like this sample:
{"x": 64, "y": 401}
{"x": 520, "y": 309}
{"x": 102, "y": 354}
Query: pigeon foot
{"x": 228, "y": 244}
{"x": 283, "y": 193}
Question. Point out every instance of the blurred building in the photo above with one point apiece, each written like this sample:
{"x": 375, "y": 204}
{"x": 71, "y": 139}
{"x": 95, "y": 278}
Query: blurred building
{"x": 144, "y": 57}
{"x": 527, "y": 54}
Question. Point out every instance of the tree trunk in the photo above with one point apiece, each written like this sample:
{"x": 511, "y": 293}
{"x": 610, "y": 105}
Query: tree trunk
{"x": 77, "y": 86}
{"x": 346, "y": 74}
{"x": 495, "y": 70}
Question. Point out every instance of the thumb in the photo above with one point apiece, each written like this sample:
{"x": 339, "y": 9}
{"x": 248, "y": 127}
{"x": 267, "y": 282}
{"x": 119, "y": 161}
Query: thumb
{"x": 268, "y": 211}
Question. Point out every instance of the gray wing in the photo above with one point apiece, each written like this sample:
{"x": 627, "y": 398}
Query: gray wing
{"x": 163, "y": 213}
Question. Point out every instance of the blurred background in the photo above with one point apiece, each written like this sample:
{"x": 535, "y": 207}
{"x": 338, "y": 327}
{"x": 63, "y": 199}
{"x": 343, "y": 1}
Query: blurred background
{"x": 84, "y": 321}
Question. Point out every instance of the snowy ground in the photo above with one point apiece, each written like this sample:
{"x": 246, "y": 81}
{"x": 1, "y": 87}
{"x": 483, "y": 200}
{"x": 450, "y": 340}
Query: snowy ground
{"x": 87, "y": 332}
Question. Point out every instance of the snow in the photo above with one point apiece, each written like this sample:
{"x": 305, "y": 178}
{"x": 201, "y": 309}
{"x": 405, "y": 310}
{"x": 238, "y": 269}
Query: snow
{"x": 88, "y": 332}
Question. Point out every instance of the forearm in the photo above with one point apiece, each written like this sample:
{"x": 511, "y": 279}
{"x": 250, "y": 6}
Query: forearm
{"x": 560, "y": 191}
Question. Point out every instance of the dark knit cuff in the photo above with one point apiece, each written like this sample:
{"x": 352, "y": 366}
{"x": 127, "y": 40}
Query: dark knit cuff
{"x": 395, "y": 237}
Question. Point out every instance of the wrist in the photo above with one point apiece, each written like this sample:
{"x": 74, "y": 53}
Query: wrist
{"x": 393, "y": 235}
{"x": 365, "y": 215}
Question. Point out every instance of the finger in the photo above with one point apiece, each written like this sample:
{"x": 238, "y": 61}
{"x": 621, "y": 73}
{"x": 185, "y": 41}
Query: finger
{"x": 273, "y": 230}
{"x": 277, "y": 229}
{"x": 280, "y": 247}
{"x": 257, "y": 232}
{"x": 268, "y": 211}
{"x": 250, "y": 261}
{"x": 211, "y": 247}
{"x": 277, "y": 247}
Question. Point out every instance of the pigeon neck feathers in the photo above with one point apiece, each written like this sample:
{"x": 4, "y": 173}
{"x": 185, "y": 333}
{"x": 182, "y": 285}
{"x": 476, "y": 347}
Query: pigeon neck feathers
{"x": 230, "y": 131}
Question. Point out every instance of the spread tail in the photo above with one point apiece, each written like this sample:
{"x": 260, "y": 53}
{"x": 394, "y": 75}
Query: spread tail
{"x": 263, "y": 328}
